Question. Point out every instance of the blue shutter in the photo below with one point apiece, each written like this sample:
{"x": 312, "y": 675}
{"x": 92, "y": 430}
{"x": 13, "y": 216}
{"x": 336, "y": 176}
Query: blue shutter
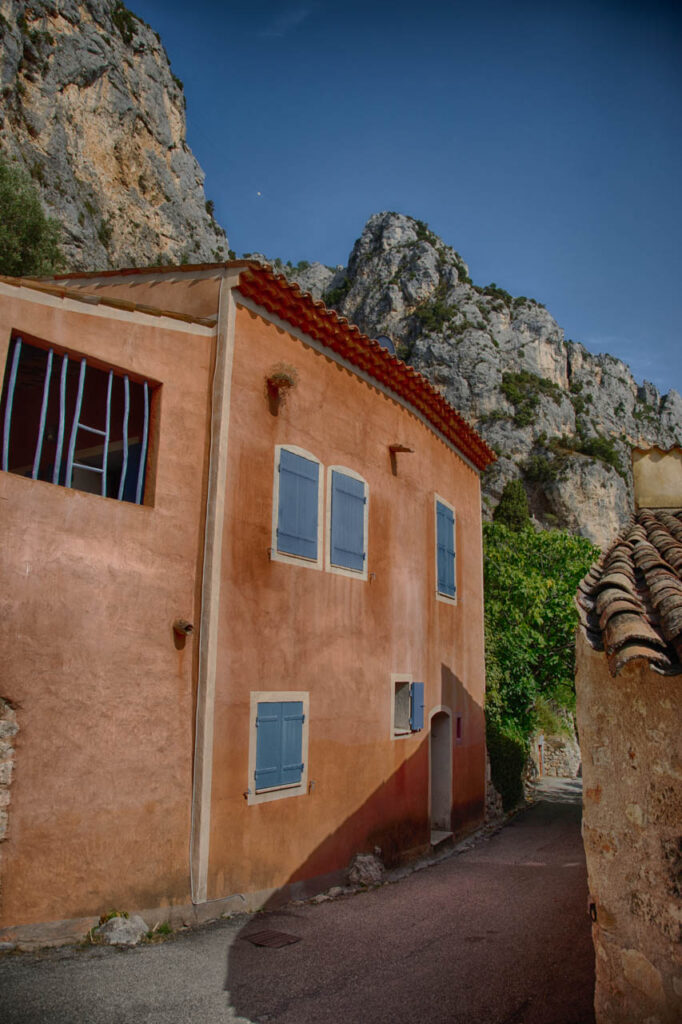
{"x": 416, "y": 706}
{"x": 279, "y": 743}
{"x": 446, "y": 550}
{"x": 292, "y": 742}
{"x": 268, "y": 745}
{"x": 347, "y": 521}
{"x": 297, "y": 511}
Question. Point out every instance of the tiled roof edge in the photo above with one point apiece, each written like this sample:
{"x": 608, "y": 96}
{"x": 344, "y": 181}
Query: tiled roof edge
{"x": 630, "y": 601}
{"x": 278, "y": 296}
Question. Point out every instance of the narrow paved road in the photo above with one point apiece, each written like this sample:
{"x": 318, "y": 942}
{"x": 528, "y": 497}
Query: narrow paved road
{"x": 495, "y": 935}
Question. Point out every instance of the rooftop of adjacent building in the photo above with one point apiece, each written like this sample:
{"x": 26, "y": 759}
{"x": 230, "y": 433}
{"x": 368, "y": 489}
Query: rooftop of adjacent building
{"x": 192, "y": 293}
{"x": 630, "y": 602}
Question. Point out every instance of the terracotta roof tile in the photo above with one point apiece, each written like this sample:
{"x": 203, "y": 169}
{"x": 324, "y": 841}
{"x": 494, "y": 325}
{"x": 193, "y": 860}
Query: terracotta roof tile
{"x": 630, "y": 602}
{"x": 273, "y": 292}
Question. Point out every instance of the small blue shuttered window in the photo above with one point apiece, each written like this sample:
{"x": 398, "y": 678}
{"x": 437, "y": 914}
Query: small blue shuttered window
{"x": 416, "y": 707}
{"x": 445, "y": 540}
{"x": 279, "y": 743}
{"x": 297, "y": 512}
{"x": 347, "y": 541}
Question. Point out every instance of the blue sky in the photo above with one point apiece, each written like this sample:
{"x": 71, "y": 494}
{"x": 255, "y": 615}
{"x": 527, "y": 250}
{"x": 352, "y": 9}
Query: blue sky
{"x": 542, "y": 140}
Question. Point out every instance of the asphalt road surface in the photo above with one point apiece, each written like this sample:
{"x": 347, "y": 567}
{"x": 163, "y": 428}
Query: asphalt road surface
{"x": 498, "y": 934}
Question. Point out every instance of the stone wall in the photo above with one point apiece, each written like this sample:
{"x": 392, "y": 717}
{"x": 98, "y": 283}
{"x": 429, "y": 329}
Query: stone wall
{"x": 631, "y": 745}
{"x": 8, "y": 729}
{"x": 560, "y": 755}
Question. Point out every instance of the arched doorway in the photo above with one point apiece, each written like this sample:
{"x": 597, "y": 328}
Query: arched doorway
{"x": 440, "y": 775}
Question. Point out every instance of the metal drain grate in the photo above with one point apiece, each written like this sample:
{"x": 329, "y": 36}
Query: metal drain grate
{"x": 271, "y": 938}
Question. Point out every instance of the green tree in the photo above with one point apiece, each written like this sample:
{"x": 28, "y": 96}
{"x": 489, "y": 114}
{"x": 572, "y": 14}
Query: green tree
{"x": 29, "y": 241}
{"x": 530, "y": 583}
{"x": 530, "y": 618}
{"x": 512, "y": 508}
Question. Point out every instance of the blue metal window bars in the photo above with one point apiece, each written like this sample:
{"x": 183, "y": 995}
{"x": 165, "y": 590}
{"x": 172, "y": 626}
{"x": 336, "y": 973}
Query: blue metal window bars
{"x": 130, "y": 458}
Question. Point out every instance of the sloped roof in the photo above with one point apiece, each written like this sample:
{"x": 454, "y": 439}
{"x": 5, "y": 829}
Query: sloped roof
{"x": 286, "y": 300}
{"x": 630, "y": 602}
{"x": 44, "y": 286}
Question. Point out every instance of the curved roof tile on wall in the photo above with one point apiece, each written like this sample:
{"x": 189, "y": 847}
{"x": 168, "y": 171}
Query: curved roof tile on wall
{"x": 285, "y": 300}
{"x": 630, "y": 602}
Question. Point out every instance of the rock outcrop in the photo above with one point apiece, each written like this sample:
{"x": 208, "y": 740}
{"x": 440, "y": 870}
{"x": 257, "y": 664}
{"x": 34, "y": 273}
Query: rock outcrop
{"x": 91, "y": 109}
{"x": 560, "y": 418}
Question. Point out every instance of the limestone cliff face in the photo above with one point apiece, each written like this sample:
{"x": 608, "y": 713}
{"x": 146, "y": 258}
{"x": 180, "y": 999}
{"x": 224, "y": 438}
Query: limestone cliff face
{"x": 90, "y": 107}
{"x": 560, "y": 418}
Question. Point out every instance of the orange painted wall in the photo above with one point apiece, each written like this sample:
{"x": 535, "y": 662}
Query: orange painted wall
{"x": 288, "y": 627}
{"x": 100, "y": 800}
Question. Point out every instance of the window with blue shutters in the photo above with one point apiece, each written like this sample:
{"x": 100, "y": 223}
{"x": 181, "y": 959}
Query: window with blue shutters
{"x": 445, "y": 550}
{"x": 408, "y": 706}
{"x": 297, "y": 507}
{"x": 278, "y": 745}
{"x": 279, "y": 736}
{"x": 347, "y": 522}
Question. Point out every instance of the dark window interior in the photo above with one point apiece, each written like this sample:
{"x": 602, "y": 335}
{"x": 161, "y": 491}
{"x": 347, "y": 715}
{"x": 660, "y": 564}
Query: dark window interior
{"x": 21, "y": 433}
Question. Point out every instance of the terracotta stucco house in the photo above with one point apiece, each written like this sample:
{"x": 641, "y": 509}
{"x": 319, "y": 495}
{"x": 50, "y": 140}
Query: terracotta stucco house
{"x": 629, "y": 704}
{"x": 242, "y": 597}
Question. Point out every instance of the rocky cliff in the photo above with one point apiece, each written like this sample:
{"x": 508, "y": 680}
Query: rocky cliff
{"x": 560, "y": 418}
{"x": 90, "y": 107}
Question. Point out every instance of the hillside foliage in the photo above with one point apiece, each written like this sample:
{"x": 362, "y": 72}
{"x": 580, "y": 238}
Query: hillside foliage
{"x": 29, "y": 241}
{"x": 530, "y": 581}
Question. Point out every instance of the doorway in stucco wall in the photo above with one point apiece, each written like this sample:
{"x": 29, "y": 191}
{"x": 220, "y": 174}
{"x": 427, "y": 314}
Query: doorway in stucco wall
{"x": 440, "y": 772}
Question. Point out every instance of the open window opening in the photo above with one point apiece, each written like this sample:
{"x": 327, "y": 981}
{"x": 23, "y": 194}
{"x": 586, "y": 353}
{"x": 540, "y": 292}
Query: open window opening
{"x": 69, "y": 422}
{"x": 408, "y": 707}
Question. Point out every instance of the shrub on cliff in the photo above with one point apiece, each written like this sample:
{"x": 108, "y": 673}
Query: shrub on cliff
{"x": 29, "y": 241}
{"x": 512, "y": 508}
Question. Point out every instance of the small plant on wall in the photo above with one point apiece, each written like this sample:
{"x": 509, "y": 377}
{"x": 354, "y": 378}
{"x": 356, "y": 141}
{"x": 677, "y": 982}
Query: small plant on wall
{"x": 281, "y": 379}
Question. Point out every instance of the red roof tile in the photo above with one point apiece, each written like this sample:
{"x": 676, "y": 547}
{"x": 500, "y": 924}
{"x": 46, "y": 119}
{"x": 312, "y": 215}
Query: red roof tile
{"x": 630, "y": 602}
{"x": 285, "y": 300}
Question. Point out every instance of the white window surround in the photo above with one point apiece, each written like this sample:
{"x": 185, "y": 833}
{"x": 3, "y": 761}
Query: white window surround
{"x": 281, "y": 792}
{"x": 398, "y": 731}
{"x": 339, "y": 569}
{"x": 282, "y": 556}
{"x": 445, "y": 598}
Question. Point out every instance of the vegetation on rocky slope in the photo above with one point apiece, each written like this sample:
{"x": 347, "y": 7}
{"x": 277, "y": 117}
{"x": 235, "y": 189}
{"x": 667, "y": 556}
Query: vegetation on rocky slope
{"x": 29, "y": 241}
{"x": 531, "y": 577}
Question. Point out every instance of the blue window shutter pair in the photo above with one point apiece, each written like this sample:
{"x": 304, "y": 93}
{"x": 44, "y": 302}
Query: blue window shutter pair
{"x": 445, "y": 541}
{"x": 416, "y": 706}
{"x": 347, "y": 521}
{"x": 279, "y": 743}
{"x": 297, "y": 513}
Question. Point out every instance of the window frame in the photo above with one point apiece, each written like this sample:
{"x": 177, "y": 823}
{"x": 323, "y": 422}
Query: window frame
{"x": 404, "y": 678}
{"x": 450, "y": 599}
{"x": 277, "y": 792}
{"x": 285, "y": 556}
{"x": 341, "y": 570}
{"x": 60, "y": 359}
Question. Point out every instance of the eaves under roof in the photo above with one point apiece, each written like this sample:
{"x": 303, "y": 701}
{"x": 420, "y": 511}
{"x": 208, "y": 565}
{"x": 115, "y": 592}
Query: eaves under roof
{"x": 259, "y": 283}
{"x": 288, "y": 302}
{"x": 88, "y": 299}
{"x": 630, "y": 602}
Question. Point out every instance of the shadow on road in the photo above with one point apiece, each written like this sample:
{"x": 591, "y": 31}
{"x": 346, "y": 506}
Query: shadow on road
{"x": 496, "y": 935}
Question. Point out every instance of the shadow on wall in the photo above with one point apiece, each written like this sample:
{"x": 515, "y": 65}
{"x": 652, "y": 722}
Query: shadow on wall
{"x": 395, "y": 821}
